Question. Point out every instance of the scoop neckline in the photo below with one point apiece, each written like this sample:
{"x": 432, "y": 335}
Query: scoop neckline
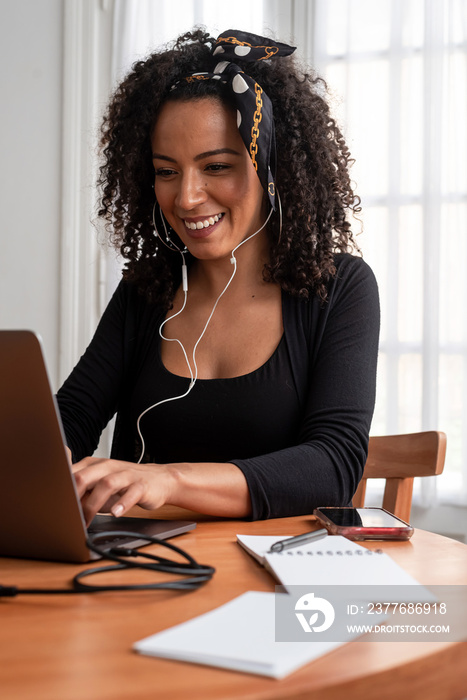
{"x": 221, "y": 379}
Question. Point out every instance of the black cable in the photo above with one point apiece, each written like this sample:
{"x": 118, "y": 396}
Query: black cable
{"x": 194, "y": 574}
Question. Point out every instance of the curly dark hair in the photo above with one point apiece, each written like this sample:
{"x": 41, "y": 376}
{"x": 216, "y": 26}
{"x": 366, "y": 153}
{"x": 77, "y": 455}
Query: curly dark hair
{"x": 312, "y": 169}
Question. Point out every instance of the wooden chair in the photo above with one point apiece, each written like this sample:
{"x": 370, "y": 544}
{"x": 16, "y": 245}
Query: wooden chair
{"x": 398, "y": 459}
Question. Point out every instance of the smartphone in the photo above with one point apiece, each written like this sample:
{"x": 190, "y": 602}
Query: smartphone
{"x": 363, "y": 523}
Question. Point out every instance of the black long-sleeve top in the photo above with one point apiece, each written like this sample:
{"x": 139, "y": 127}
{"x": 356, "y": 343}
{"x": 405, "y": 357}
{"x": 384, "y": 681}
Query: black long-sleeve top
{"x": 297, "y": 427}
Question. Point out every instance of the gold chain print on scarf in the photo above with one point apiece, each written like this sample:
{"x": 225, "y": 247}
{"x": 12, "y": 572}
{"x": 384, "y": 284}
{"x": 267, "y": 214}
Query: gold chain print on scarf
{"x": 255, "y": 128}
{"x": 194, "y": 78}
{"x": 268, "y": 50}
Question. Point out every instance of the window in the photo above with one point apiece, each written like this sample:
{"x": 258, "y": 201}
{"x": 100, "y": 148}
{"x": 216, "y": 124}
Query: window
{"x": 398, "y": 70}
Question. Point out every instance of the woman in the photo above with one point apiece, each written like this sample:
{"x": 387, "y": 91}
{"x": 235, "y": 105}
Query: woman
{"x": 239, "y": 350}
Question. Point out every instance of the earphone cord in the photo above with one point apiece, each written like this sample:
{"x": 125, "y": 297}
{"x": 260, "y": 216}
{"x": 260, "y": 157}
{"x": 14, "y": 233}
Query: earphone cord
{"x": 193, "y": 373}
{"x": 192, "y": 379}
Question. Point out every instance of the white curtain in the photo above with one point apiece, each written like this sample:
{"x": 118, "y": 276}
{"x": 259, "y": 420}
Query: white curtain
{"x": 141, "y": 26}
{"x": 398, "y": 70}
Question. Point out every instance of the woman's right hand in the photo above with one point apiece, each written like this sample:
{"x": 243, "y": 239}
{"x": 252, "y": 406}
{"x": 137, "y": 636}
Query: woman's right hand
{"x": 114, "y": 486}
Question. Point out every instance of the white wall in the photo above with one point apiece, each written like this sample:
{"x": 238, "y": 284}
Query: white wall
{"x": 31, "y": 56}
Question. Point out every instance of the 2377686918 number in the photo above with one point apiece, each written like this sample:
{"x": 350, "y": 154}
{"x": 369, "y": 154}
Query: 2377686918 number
{"x": 407, "y": 608}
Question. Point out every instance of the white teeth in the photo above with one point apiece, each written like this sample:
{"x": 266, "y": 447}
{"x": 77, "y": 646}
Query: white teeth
{"x": 197, "y": 225}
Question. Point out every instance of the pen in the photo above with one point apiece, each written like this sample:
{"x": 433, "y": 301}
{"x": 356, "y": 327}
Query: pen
{"x": 298, "y": 540}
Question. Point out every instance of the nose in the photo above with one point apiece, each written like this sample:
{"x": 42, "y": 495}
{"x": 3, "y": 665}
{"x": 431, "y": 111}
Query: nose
{"x": 191, "y": 192}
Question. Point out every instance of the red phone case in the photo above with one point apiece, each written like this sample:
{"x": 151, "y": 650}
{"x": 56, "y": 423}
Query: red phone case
{"x": 353, "y": 532}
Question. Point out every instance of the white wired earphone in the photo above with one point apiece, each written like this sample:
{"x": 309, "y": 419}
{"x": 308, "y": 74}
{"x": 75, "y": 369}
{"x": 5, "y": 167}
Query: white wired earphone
{"x": 193, "y": 372}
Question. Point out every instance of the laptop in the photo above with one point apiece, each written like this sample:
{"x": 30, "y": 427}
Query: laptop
{"x": 40, "y": 511}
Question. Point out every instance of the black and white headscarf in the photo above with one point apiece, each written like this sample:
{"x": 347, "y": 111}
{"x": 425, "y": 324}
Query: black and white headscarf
{"x": 255, "y": 118}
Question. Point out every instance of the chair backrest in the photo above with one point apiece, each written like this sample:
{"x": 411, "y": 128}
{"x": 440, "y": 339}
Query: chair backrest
{"x": 398, "y": 459}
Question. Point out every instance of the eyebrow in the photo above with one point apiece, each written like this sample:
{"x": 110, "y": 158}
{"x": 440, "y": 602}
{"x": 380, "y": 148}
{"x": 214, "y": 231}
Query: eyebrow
{"x": 200, "y": 156}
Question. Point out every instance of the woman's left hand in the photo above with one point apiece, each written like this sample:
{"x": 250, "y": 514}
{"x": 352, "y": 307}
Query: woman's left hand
{"x": 110, "y": 485}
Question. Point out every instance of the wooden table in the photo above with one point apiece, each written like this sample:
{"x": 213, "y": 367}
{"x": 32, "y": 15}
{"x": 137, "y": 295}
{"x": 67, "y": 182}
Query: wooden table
{"x": 79, "y": 647}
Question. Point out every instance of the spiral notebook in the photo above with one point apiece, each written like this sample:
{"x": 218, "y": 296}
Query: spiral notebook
{"x": 335, "y": 560}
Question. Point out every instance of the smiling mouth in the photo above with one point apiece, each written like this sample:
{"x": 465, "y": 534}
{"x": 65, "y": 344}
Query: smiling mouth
{"x": 205, "y": 223}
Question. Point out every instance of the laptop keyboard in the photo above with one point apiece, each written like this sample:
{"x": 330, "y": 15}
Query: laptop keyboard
{"x": 104, "y": 523}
